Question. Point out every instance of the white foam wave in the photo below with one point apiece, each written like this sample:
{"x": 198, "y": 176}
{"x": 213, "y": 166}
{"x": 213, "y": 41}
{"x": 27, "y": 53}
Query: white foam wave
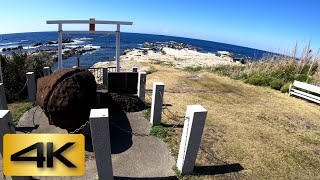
{"x": 23, "y": 40}
{"x": 9, "y": 43}
{"x": 30, "y": 47}
{"x": 90, "y": 46}
{"x": 84, "y": 39}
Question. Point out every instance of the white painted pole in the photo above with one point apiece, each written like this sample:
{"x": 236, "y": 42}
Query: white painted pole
{"x": 31, "y": 85}
{"x": 6, "y": 128}
{"x": 3, "y": 99}
{"x": 118, "y": 47}
{"x": 100, "y": 133}
{"x": 46, "y": 71}
{"x": 191, "y": 138}
{"x": 156, "y": 106}
{"x": 60, "y": 67}
{"x": 142, "y": 79}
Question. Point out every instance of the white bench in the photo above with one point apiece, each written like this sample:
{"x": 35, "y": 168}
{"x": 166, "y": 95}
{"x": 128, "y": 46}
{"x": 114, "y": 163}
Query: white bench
{"x": 307, "y": 87}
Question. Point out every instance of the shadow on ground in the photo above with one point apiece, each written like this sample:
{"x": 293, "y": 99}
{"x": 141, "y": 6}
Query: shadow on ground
{"x": 218, "y": 169}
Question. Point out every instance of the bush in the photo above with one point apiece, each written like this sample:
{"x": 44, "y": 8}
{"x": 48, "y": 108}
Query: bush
{"x": 259, "y": 80}
{"x": 14, "y": 69}
{"x": 285, "y": 87}
{"x": 192, "y": 69}
{"x": 276, "y": 84}
{"x": 301, "y": 77}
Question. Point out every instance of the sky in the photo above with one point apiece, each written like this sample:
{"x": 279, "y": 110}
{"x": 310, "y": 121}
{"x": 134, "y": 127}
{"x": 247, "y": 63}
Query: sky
{"x": 272, "y": 25}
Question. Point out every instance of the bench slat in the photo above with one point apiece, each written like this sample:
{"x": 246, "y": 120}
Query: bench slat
{"x": 306, "y": 97}
{"x": 306, "y": 86}
{"x": 306, "y": 94}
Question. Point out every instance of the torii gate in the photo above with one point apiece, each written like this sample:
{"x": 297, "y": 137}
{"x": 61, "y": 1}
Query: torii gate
{"x": 92, "y": 22}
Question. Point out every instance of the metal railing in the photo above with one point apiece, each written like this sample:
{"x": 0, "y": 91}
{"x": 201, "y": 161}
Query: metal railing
{"x": 97, "y": 72}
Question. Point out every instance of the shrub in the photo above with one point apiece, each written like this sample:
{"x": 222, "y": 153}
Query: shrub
{"x": 192, "y": 69}
{"x": 260, "y": 80}
{"x": 285, "y": 87}
{"x": 24, "y": 107}
{"x": 14, "y": 69}
{"x": 276, "y": 84}
{"x": 301, "y": 77}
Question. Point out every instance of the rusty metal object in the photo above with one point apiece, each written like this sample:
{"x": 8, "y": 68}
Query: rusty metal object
{"x": 67, "y": 96}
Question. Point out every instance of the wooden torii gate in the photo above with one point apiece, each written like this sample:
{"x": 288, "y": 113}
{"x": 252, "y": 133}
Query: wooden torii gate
{"x": 92, "y": 22}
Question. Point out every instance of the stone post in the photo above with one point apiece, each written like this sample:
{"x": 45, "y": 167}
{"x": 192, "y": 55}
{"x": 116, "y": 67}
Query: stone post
{"x": 31, "y": 85}
{"x": 142, "y": 79}
{"x": 46, "y": 71}
{"x": 3, "y": 99}
{"x": 105, "y": 76}
{"x": 135, "y": 69}
{"x": 5, "y": 128}
{"x": 191, "y": 138}
{"x": 99, "y": 124}
{"x": 156, "y": 105}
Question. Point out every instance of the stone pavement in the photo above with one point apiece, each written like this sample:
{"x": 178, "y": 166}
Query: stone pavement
{"x": 133, "y": 157}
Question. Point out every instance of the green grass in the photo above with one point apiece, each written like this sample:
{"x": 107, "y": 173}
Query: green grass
{"x": 151, "y": 70}
{"x": 159, "y": 132}
{"x": 192, "y": 69}
{"x": 147, "y": 113}
{"x": 20, "y": 110}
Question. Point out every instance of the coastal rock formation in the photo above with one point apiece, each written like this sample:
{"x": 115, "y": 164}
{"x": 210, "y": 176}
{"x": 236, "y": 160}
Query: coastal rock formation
{"x": 67, "y": 96}
{"x": 12, "y": 49}
{"x": 53, "y": 42}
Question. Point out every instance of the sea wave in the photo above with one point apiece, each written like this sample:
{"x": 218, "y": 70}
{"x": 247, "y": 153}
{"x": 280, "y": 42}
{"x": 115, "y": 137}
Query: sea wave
{"x": 23, "y": 40}
{"x": 84, "y": 39}
{"x": 90, "y": 46}
{"x": 9, "y": 43}
{"x": 30, "y": 47}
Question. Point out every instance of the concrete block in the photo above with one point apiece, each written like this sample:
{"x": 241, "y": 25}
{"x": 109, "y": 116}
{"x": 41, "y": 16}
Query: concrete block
{"x": 100, "y": 133}
{"x": 31, "y": 85}
{"x": 3, "y": 99}
{"x": 142, "y": 79}
{"x": 46, "y": 71}
{"x": 157, "y": 100}
{"x": 191, "y": 138}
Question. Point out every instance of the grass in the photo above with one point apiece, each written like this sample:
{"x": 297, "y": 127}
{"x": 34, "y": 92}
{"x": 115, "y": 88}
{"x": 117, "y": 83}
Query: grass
{"x": 192, "y": 69}
{"x": 159, "y": 132}
{"x": 271, "y": 135}
{"x": 147, "y": 113}
{"x": 18, "y": 109}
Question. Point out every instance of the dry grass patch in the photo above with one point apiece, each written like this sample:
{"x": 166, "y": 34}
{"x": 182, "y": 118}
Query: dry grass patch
{"x": 271, "y": 135}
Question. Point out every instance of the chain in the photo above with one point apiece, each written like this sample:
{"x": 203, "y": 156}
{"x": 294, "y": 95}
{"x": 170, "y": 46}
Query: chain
{"x": 80, "y": 128}
{"x": 24, "y": 86}
{"x": 127, "y": 131}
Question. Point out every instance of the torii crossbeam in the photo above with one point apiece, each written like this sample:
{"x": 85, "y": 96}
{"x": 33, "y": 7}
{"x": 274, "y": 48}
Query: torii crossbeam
{"x": 92, "y": 22}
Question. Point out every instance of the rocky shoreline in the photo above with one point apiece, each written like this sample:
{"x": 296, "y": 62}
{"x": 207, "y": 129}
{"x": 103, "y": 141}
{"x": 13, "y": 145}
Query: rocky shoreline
{"x": 173, "y": 54}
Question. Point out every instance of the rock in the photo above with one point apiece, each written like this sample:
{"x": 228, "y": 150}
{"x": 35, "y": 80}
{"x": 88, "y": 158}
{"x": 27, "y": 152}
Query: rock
{"x": 37, "y": 44}
{"x": 66, "y": 97}
{"x": 146, "y": 44}
{"x": 223, "y": 54}
{"x": 67, "y": 41}
{"x": 126, "y": 51}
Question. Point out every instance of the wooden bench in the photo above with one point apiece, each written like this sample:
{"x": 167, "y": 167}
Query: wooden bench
{"x": 302, "y": 90}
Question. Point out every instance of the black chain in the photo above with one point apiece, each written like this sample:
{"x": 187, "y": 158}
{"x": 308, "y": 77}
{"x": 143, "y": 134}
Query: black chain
{"x": 80, "y": 128}
{"x": 127, "y": 131}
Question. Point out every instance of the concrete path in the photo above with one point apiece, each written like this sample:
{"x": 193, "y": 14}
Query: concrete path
{"x": 133, "y": 157}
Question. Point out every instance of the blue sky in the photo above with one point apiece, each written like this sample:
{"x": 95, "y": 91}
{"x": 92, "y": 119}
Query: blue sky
{"x": 273, "y": 25}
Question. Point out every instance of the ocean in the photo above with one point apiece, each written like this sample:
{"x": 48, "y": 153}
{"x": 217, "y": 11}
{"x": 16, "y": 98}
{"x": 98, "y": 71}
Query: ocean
{"x": 105, "y": 45}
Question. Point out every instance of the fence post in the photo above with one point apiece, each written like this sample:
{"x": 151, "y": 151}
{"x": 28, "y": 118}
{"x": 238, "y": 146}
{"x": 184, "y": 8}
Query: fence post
{"x": 3, "y": 99}
{"x": 191, "y": 138}
{"x": 31, "y": 85}
{"x": 99, "y": 124}
{"x": 156, "y": 105}
{"x": 105, "y": 76}
{"x": 135, "y": 69}
{"x": 46, "y": 71}
{"x": 142, "y": 79}
{"x": 5, "y": 128}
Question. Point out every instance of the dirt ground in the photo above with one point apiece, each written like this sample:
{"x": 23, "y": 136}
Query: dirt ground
{"x": 250, "y": 133}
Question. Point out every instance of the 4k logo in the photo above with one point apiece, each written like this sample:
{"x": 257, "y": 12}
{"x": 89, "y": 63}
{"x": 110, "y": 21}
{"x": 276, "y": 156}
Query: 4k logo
{"x": 25, "y": 155}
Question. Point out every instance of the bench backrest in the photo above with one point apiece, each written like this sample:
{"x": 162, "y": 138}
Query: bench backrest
{"x": 306, "y": 86}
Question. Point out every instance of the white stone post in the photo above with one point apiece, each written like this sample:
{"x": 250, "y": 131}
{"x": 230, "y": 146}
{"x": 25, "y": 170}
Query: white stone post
{"x": 46, "y": 71}
{"x": 142, "y": 79}
{"x": 60, "y": 66}
{"x": 135, "y": 69}
{"x": 3, "y": 99}
{"x": 156, "y": 106}
{"x": 5, "y": 128}
{"x": 99, "y": 124}
{"x": 191, "y": 138}
{"x": 105, "y": 76}
{"x": 118, "y": 47}
{"x": 31, "y": 85}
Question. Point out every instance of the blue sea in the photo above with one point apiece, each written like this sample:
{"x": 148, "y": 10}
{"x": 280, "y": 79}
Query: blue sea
{"x": 105, "y": 45}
